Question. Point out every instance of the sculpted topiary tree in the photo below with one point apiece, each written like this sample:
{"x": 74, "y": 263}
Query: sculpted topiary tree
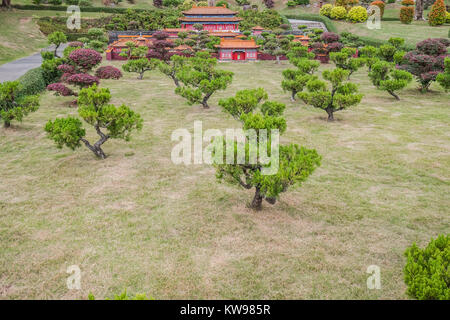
{"x": 386, "y": 52}
{"x": 198, "y": 39}
{"x": 344, "y": 60}
{"x": 57, "y": 38}
{"x": 339, "y": 97}
{"x": 13, "y": 107}
{"x": 134, "y": 51}
{"x": 444, "y": 78}
{"x": 276, "y": 45}
{"x": 95, "y": 109}
{"x": 385, "y": 77}
{"x": 159, "y": 49}
{"x": 172, "y": 67}
{"x": 294, "y": 80}
{"x": 140, "y": 66}
{"x": 369, "y": 55}
{"x": 96, "y": 39}
{"x": 292, "y": 164}
{"x": 201, "y": 78}
{"x": 427, "y": 61}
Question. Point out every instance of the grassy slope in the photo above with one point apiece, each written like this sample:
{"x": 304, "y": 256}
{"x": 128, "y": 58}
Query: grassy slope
{"x": 137, "y": 221}
{"x": 20, "y": 34}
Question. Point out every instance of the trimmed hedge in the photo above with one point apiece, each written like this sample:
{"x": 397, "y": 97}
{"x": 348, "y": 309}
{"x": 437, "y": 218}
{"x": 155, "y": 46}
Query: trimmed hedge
{"x": 32, "y": 82}
{"x": 64, "y": 8}
{"x": 75, "y": 36}
{"x": 378, "y": 42}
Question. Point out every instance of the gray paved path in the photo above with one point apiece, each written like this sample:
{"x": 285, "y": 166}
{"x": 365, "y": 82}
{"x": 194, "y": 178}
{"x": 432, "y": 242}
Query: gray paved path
{"x": 13, "y": 70}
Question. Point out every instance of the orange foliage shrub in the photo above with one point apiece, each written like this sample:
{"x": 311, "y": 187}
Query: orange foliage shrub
{"x": 381, "y": 5}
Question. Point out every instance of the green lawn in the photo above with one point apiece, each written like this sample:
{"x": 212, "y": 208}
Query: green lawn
{"x": 412, "y": 33}
{"x": 137, "y": 221}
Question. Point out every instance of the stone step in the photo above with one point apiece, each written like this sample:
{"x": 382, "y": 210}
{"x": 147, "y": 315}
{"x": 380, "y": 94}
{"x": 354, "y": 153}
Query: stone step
{"x": 310, "y": 24}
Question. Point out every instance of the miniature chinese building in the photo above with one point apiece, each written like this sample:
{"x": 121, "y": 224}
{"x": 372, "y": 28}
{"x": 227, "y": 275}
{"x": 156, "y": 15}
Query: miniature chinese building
{"x": 117, "y": 47}
{"x": 212, "y": 19}
{"x": 257, "y": 30}
{"x": 304, "y": 40}
{"x": 237, "y": 49}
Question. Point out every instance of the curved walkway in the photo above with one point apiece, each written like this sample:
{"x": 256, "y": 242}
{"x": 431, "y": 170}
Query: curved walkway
{"x": 14, "y": 70}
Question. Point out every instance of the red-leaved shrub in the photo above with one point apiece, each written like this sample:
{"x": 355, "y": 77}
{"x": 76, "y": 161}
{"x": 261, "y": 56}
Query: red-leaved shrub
{"x": 85, "y": 59}
{"x": 427, "y": 61}
{"x": 60, "y": 89}
{"x": 335, "y": 47}
{"x": 329, "y": 37}
{"x": 108, "y": 72}
{"x": 66, "y": 68}
{"x": 82, "y": 80}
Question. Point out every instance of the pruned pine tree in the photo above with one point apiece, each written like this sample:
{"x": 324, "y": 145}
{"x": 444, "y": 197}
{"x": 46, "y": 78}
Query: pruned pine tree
{"x": 140, "y": 66}
{"x": 294, "y": 80}
{"x": 172, "y": 67}
{"x": 345, "y": 60}
{"x": 94, "y": 109}
{"x": 339, "y": 97}
{"x": 295, "y": 163}
{"x": 386, "y": 77}
{"x": 14, "y": 106}
{"x": 201, "y": 78}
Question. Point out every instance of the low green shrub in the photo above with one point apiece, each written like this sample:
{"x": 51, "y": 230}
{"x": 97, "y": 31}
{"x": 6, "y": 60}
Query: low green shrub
{"x": 85, "y": 3}
{"x": 32, "y": 82}
{"x": 125, "y": 296}
{"x": 427, "y": 271}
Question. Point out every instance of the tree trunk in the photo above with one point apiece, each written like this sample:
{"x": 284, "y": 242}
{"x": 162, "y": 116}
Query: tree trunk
{"x": 96, "y": 149}
{"x": 205, "y": 101}
{"x": 141, "y": 75}
{"x": 175, "y": 80}
{"x": 56, "y": 51}
{"x": 330, "y": 114}
{"x": 257, "y": 200}
{"x": 278, "y": 59}
{"x": 293, "y": 95}
{"x": 419, "y": 10}
{"x": 6, "y": 124}
{"x": 392, "y": 93}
